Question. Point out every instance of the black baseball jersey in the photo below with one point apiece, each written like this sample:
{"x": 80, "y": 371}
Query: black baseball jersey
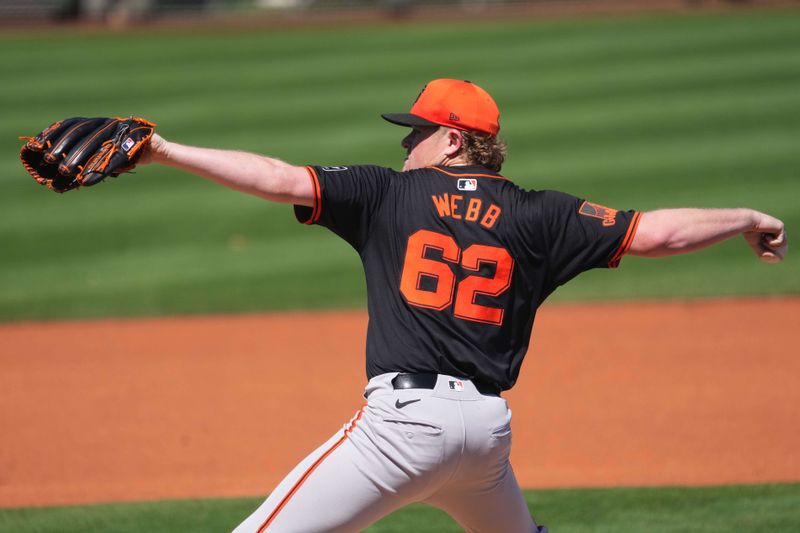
{"x": 457, "y": 260}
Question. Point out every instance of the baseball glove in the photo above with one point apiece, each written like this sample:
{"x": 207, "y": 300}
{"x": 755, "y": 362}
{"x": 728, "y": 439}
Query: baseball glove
{"x": 80, "y": 152}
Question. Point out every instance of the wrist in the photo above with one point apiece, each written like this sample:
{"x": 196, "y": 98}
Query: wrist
{"x": 159, "y": 149}
{"x": 752, "y": 219}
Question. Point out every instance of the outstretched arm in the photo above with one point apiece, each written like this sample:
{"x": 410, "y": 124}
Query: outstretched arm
{"x": 676, "y": 231}
{"x": 266, "y": 177}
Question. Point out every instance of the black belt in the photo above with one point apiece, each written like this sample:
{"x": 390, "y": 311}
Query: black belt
{"x": 428, "y": 381}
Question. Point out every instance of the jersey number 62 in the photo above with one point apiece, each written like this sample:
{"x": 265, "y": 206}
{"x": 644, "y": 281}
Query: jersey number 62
{"x": 419, "y": 269}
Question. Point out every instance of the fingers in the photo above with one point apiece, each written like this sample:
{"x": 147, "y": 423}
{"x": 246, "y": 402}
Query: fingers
{"x": 769, "y": 257}
{"x": 772, "y": 248}
{"x": 774, "y": 241}
{"x": 768, "y": 224}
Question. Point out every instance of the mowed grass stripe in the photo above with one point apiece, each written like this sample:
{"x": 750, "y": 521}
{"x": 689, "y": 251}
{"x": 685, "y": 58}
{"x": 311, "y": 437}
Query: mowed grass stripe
{"x": 184, "y": 265}
{"x": 621, "y": 510}
{"x": 257, "y": 56}
{"x": 627, "y": 159}
{"x": 557, "y": 127}
{"x": 602, "y": 53}
{"x": 635, "y": 112}
{"x": 733, "y": 31}
{"x": 617, "y": 72}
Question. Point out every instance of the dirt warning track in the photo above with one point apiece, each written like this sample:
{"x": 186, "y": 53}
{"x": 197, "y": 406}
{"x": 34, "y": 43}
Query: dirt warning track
{"x": 674, "y": 393}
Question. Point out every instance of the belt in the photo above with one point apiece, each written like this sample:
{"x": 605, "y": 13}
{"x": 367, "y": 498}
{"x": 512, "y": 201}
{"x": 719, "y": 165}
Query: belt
{"x": 428, "y": 381}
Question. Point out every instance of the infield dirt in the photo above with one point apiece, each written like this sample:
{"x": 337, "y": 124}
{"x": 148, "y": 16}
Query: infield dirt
{"x": 679, "y": 393}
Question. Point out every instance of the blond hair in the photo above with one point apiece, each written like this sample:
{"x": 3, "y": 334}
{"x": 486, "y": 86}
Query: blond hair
{"x": 484, "y": 150}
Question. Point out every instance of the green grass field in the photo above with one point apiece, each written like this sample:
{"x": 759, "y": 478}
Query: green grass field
{"x": 634, "y": 112}
{"x": 767, "y": 508}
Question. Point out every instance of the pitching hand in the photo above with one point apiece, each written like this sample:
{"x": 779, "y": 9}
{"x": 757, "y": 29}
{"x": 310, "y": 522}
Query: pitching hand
{"x": 768, "y": 239}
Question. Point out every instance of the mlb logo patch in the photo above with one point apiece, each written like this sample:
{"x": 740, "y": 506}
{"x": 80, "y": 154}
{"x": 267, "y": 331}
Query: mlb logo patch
{"x": 128, "y": 144}
{"x": 456, "y": 385}
{"x": 467, "y": 184}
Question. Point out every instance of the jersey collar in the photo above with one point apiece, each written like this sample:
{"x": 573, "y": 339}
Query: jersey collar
{"x": 468, "y": 171}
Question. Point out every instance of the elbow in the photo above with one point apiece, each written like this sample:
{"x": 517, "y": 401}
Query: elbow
{"x": 288, "y": 184}
{"x": 656, "y": 240}
{"x": 650, "y": 246}
{"x": 277, "y": 180}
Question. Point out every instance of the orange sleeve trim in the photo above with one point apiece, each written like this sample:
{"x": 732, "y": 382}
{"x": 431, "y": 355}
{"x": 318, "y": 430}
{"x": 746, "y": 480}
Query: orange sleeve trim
{"x": 308, "y": 472}
{"x": 498, "y": 177}
{"x": 317, "y": 209}
{"x": 627, "y": 241}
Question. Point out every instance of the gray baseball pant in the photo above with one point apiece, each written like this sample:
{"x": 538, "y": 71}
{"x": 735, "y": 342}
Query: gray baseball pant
{"x": 447, "y": 447}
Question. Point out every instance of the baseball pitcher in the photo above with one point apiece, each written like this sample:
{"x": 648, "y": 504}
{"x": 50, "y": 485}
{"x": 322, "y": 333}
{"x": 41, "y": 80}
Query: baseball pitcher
{"x": 457, "y": 259}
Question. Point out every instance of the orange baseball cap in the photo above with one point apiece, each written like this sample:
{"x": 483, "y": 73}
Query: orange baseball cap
{"x": 453, "y": 103}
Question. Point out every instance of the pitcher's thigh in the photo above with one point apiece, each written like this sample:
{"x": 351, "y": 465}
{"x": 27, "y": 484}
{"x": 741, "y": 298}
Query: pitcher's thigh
{"x": 488, "y": 509}
{"x": 326, "y": 492}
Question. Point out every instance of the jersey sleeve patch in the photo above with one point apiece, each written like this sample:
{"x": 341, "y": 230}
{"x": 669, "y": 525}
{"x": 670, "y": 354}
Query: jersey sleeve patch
{"x": 606, "y": 214}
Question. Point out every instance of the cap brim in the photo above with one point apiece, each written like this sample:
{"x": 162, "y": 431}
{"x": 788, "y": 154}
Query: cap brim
{"x": 407, "y": 119}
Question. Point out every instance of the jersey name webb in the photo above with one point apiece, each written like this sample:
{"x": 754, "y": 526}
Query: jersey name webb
{"x": 471, "y": 209}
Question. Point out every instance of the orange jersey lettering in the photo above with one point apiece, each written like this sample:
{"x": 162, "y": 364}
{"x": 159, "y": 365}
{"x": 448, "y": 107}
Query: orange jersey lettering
{"x": 455, "y": 201}
{"x": 608, "y": 215}
{"x": 451, "y": 205}
{"x": 442, "y": 204}
{"x": 473, "y": 209}
{"x": 491, "y": 216}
